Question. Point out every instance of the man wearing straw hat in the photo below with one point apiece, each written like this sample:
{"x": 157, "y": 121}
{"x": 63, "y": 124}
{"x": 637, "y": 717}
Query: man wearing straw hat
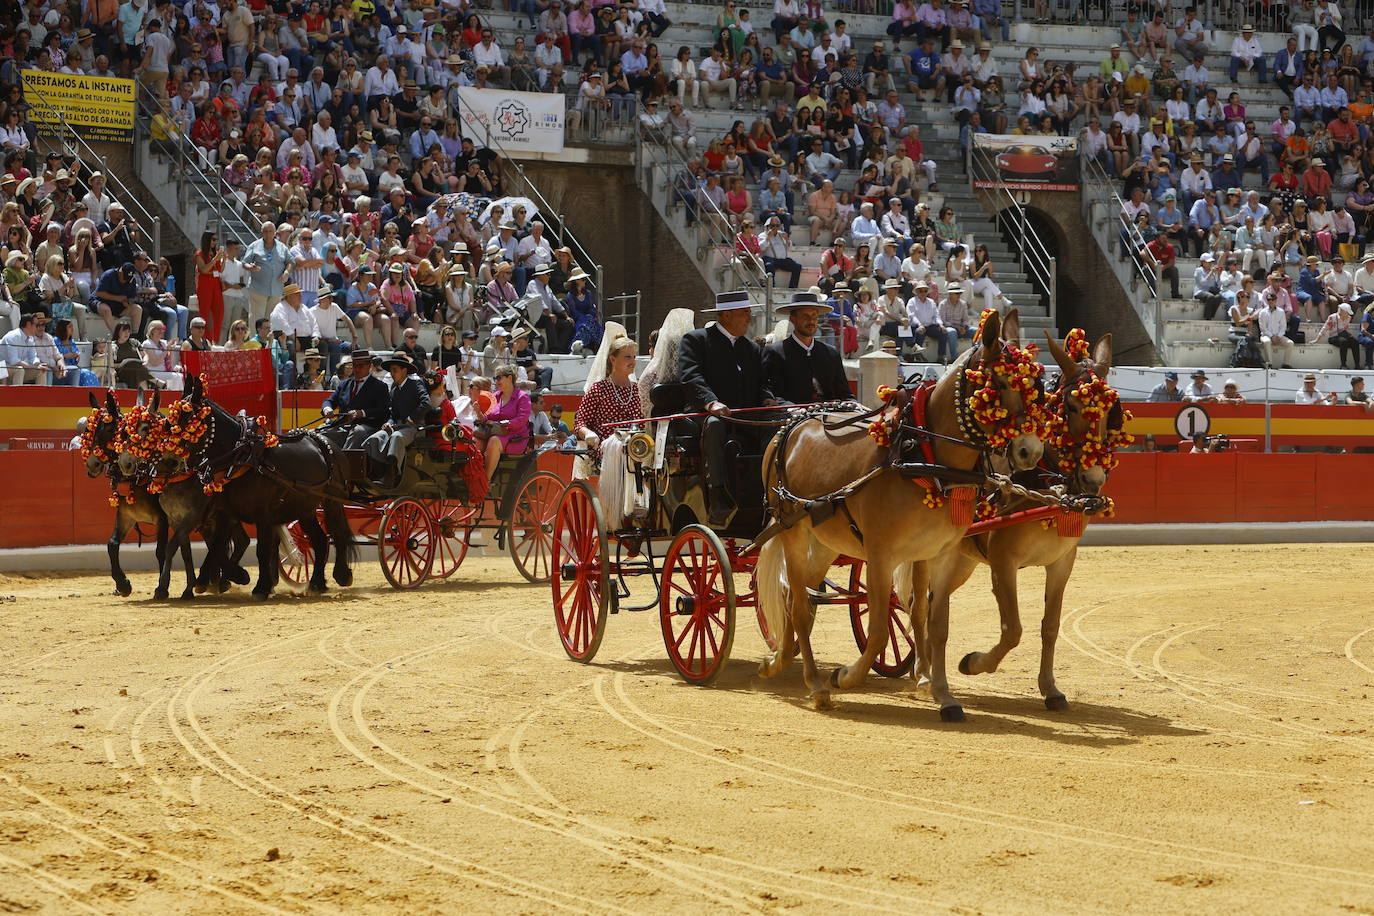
{"x": 722, "y": 371}
{"x": 801, "y": 369}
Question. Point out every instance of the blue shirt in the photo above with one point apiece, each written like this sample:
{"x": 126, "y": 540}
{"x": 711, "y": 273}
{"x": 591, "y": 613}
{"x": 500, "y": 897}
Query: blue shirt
{"x": 1310, "y": 285}
{"x": 773, "y": 71}
{"x": 274, "y": 259}
{"x": 923, "y": 64}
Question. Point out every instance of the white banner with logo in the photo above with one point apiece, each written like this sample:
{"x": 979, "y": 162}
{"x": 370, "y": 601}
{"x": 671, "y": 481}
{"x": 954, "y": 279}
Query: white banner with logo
{"x": 528, "y": 122}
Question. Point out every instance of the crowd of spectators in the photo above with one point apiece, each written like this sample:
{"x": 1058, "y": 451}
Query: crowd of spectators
{"x": 313, "y": 122}
{"x": 1277, "y": 211}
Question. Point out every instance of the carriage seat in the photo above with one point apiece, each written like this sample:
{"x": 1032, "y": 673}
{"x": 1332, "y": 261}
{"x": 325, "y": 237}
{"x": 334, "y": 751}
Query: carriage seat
{"x": 667, "y": 398}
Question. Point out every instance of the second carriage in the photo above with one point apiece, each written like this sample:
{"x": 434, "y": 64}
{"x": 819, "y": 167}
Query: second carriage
{"x": 423, "y": 525}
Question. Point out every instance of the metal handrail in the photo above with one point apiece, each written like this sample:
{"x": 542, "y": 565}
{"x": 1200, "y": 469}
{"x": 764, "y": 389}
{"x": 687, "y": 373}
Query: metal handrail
{"x": 1034, "y": 253}
{"x": 1098, "y": 189}
{"x": 712, "y": 228}
{"x": 125, "y": 197}
{"x": 229, "y": 221}
{"x": 564, "y": 235}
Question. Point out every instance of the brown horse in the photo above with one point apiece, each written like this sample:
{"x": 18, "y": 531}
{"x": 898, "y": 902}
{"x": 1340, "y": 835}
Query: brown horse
{"x": 887, "y": 521}
{"x": 925, "y": 587}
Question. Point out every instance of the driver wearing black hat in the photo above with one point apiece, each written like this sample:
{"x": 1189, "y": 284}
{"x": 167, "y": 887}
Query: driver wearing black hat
{"x": 410, "y": 404}
{"x": 721, "y": 369}
{"x": 802, "y": 369}
{"x": 360, "y": 403}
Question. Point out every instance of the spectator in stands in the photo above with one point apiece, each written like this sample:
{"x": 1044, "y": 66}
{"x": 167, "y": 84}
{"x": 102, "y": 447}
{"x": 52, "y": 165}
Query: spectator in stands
{"x": 1198, "y": 391}
{"x": 1246, "y": 53}
{"x": 775, "y": 248}
{"x": 1167, "y": 390}
{"x": 1339, "y": 330}
{"x": 1159, "y": 254}
{"x": 956, "y": 318}
{"x": 1309, "y": 394}
{"x": 1191, "y": 35}
{"x": 1273, "y": 328}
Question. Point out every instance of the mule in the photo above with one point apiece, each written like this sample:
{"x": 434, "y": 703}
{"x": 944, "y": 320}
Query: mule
{"x": 1015, "y": 547}
{"x": 889, "y": 520}
{"x": 272, "y": 486}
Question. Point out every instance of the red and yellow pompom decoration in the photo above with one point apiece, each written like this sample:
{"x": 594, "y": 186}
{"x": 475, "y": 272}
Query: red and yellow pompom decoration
{"x": 269, "y": 438}
{"x": 1018, "y": 368}
{"x": 1076, "y": 345}
{"x": 935, "y": 497}
{"x": 1096, "y": 399}
{"x": 89, "y": 447}
{"x": 882, "y": 428}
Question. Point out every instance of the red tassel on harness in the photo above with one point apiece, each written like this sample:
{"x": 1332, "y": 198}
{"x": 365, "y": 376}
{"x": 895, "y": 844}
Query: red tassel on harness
{"x": 1070, "y": 524}
{"x": 961, "y": 505}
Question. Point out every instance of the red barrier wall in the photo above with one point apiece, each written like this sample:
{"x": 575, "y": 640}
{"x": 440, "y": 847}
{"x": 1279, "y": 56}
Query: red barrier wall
{"x": 1241, "y": 487}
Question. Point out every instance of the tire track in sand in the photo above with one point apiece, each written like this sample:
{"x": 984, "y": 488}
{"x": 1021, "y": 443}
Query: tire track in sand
{"x": 193, "y": 736}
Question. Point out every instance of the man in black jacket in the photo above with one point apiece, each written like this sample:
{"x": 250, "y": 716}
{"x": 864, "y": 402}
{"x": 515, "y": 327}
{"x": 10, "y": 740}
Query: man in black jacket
{"x": 722, "y": 370}
{"x": 360, "y": 402}
{"x": 802, "y": 369}
{"x": 409, "y": 406}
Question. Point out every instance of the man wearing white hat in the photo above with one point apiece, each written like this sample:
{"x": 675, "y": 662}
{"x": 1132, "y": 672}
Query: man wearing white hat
{"x": 956, "y": 319}
{"x": 1246, "y": 52}
{"x": 721, "y": 369}
{"x": 801, "y": 369}
{"x": 1364, "y": 281}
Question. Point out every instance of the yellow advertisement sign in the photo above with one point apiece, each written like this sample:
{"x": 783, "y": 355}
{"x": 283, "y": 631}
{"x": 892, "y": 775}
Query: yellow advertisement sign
{"x": 97, "y": 108}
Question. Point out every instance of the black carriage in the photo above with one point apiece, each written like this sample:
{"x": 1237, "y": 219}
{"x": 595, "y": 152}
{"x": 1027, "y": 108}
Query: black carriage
{"x": 701, "y": 575}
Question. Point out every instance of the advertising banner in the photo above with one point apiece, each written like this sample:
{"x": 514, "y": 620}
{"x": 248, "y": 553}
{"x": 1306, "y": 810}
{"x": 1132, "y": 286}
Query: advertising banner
{"x": 99, "y": 109}
{"x": 520, "y": 122}
{"x": 237, "y": 380}
{"x": 1034, "y": 162}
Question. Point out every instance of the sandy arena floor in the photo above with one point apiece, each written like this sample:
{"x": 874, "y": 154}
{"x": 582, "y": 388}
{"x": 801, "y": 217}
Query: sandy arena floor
{"x": 434, "y": 751}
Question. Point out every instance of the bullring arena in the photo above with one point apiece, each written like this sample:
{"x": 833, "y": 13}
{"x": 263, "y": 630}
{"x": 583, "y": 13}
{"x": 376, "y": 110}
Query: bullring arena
{"x": 435, "y": 751}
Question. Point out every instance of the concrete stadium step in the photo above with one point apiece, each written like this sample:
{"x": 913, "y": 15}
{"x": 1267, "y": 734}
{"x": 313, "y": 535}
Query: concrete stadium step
{"x": 1208, "y": 355}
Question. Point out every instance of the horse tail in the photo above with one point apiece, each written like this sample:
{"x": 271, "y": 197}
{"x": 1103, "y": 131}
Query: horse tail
{"x": 292, "y": 555}
{"x": 770, "y": 575}
{"x": 336, "y": 521}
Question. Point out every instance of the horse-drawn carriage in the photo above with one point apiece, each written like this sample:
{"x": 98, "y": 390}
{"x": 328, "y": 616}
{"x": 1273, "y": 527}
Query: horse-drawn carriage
{"x": 422, "y": 524}
{"x": 647, "y": 519}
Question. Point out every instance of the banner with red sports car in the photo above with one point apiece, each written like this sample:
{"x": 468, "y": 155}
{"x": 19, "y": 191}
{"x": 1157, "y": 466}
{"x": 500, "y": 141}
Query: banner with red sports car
{"x": 1033, "y": 162}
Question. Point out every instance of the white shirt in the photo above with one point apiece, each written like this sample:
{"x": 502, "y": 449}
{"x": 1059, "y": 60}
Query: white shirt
{"x": 379, "y": 83}
{"x": 923, "y": 312}
{"x": 232, "y": 275}
{"x": 1249, "y": 51}
{"x": 1196, "y": 391}
{"x": 711, "y": 69}
{"x": 485, "y": 55}
{"x": 327, "y": 321}
{"x": 292, "y": 321}
{"x": 1305, "y": 397}
{"x": 1272, "y": 322}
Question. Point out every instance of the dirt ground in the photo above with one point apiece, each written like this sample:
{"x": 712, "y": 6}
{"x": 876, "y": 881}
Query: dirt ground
{"x": 434, "y": 751}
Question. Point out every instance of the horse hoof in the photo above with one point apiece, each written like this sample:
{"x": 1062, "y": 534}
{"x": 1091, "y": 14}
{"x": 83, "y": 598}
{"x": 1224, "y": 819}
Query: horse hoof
{"x": 1057, "y": 703}
{"x": 222, "y": 586}
{"x": 261, "y": 595}
{"x": 821, "y": 698}
{"x": 240, "y": 576}
{"x": 160, "y": 594}
{"x": 202, "y": 589}
{"x": 952, "y": 713}
{"x": 966, "y": 664}
{"x": 317, "y": 589}
{"x": 188, "y": 595}
{"x": 344, "y": 579}
{"x": 124, "y": 589}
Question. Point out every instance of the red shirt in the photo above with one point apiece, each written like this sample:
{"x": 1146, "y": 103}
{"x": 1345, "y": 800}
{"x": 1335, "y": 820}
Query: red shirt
{"x": 1343, "y": 131}
{"x": 1162, "y": 251}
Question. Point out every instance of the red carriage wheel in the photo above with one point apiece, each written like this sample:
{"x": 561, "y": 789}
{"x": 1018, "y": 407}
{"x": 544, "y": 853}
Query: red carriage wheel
{"x": 296, "y": 559}
{"x": 453, "y": 530}
{"x": 529, "y": 530}
{"x": 696, "y": 604}
{"x": 406, "y": 543}
{"x": 580, "y": 572}
{"x": 899, "y": 654}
